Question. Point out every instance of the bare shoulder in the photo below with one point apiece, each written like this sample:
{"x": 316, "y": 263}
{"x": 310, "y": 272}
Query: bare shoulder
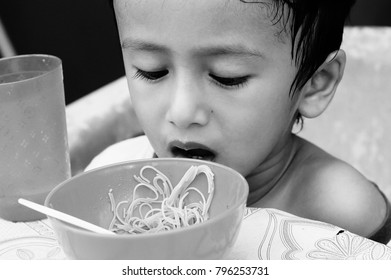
{"x": 335, "y": 192}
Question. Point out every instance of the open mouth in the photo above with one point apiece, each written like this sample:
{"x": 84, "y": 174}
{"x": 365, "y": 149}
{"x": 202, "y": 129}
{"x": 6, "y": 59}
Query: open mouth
{"x": 192, "y": 150}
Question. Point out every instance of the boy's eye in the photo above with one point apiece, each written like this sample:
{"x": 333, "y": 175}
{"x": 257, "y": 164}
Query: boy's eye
{"x": 229, "y": 82}
{"x": 150, "y": 75}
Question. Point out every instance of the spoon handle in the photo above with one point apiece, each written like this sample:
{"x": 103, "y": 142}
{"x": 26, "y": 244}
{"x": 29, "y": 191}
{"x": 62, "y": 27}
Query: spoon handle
{"x": 63, "y": 217}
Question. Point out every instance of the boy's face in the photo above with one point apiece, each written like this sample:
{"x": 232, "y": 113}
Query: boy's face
{"x": 208, "y": 79}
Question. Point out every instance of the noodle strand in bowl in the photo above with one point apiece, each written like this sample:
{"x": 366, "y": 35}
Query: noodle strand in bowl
{"x": 167, "y": 209}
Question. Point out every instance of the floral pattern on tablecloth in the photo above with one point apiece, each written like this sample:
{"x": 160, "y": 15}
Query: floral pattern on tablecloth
{"x": 31, "y": 248}
{"x": 347, "y": 246}
{"x": 274, "y": 234}
{"x": 264, "y": 234}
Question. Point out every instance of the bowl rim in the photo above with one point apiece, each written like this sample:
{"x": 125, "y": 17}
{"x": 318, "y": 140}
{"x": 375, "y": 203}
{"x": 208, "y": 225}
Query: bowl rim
{"x": 241, "y": 201}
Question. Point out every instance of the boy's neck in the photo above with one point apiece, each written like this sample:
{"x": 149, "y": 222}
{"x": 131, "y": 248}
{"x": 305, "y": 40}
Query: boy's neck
{"x": 267, "y": 176}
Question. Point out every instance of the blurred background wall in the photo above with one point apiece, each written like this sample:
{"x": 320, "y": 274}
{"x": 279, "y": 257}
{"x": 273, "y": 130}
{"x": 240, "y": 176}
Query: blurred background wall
{"x": 83, "y": 34}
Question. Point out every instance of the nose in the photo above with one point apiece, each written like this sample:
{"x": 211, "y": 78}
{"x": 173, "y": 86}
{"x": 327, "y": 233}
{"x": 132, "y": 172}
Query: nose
{"x": 188, "y": 105}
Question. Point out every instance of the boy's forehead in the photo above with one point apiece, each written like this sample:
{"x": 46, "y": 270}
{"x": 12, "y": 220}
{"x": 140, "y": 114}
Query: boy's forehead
{"x": 198, "y": 17}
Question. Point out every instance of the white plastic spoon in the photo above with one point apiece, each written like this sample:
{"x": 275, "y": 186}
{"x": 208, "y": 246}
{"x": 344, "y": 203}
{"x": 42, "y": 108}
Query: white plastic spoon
{"x": 63, "y": 217}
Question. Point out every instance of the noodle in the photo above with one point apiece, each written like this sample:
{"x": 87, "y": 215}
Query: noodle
{"x": 167, "y": 209}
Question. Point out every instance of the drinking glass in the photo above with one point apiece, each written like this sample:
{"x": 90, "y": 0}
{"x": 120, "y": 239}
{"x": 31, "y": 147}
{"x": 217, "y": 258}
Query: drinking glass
{"x": 34, "y": 155}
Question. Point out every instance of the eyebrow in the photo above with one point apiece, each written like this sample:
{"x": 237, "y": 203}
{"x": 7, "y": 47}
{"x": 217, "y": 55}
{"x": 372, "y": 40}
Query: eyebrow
{"x": 217, "y": 50}
{"x": 139, "y": 45}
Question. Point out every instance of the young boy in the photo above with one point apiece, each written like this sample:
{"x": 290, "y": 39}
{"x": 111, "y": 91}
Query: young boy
{"x": 226, "y": 80}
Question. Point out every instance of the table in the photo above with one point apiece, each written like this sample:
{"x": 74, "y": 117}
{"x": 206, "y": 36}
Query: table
{"x": 265, "y": 234}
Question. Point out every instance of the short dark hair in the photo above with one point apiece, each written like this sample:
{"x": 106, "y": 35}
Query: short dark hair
{"x": 316, "y": 30}
{"x": 316, "y": 27}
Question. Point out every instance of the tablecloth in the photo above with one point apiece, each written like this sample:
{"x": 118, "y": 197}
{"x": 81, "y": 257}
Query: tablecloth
{"x": 265, "y": 234}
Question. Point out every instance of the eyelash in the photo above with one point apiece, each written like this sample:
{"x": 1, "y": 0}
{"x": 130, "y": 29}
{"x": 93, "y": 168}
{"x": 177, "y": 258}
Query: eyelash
{"x": 150, "y": 76}
{"x": 228, "y": 83}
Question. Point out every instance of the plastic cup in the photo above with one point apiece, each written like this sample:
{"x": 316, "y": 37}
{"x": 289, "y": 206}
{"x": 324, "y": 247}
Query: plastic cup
{"x": 34, "y": 155}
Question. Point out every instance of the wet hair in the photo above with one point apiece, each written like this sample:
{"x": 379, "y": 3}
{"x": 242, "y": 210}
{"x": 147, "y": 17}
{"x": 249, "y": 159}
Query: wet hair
{"x": 316, "y": 30}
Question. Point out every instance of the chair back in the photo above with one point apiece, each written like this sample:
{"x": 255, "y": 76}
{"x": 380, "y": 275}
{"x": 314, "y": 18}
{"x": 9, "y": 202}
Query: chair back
{"x": 356, "y": 126}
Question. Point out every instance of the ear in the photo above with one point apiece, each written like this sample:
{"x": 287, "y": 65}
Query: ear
{"x": 319, "y": 90}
